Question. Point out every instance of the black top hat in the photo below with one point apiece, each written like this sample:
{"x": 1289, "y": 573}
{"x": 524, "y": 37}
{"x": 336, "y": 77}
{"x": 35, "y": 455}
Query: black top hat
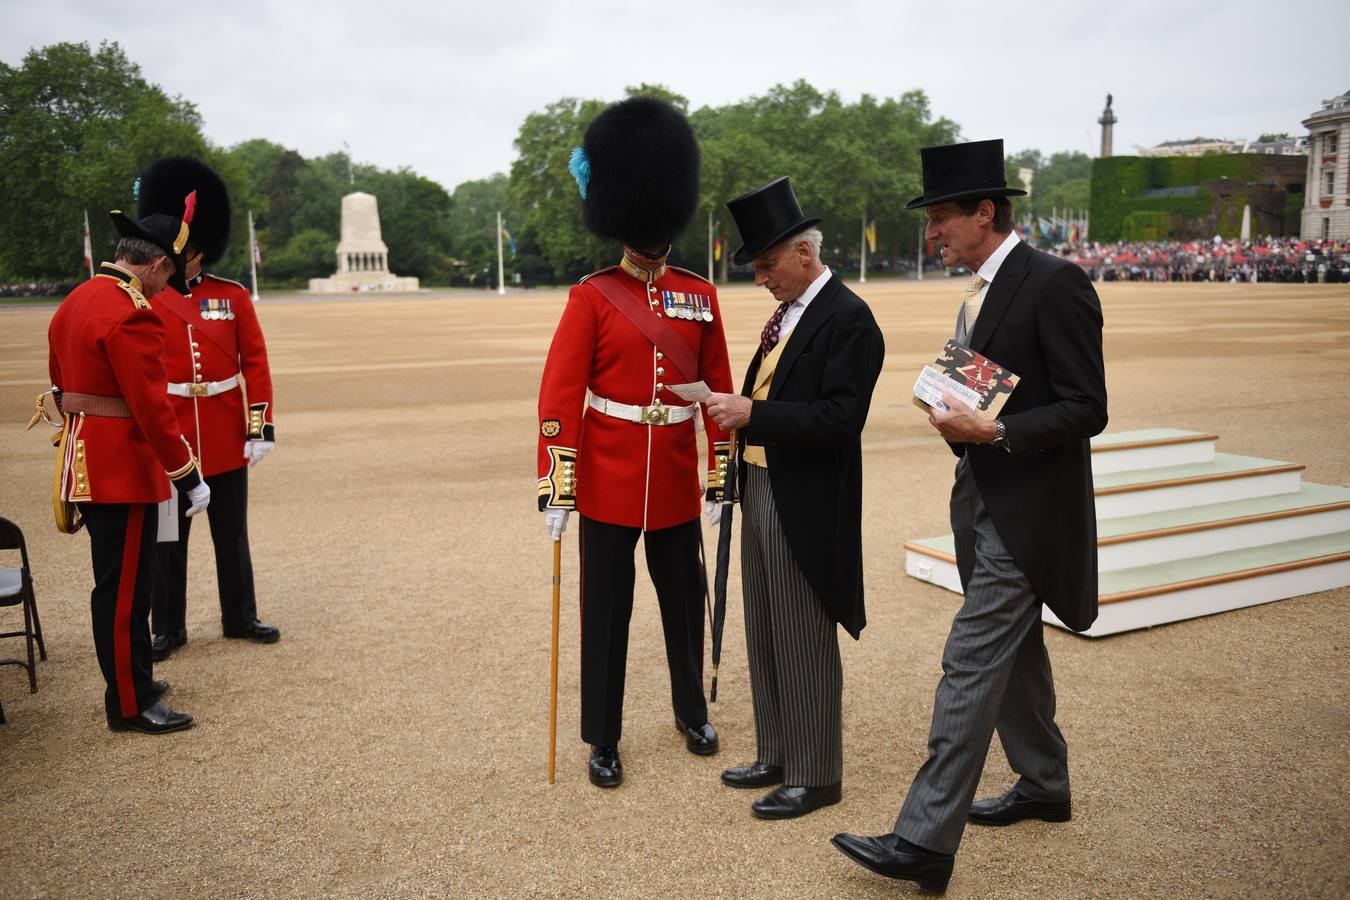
{"x": 643, "y": 173}
{"x": 956, "y": 171}
{"x": 766, "y": 216}
{"x": 166, "y": 232}
{"x": 168, "y": 180}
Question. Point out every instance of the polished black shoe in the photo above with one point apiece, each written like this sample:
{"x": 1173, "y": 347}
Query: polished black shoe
{"x": 895, "y": 857}
{"x": 154, "y": 719}
{"x": 254, "y": 631}
{"x": 1013, "y": 807}
{"x": 606, "y": 770}
{"x": 158, "y": 689}
{"x": 757, "y": 775}
{"x": 701, "y": 741}
{"x": 163, "y": 645}
{"x": 787, "y": 802}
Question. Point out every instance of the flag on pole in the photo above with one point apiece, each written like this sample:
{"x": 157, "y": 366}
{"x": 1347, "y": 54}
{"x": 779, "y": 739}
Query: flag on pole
{"x": 717, "y": 249}
{"x": 872, "y": 237}
{"x": 510, "y": 241}
{"x": 88, "y": 247}
{"x": 257, "y": 249}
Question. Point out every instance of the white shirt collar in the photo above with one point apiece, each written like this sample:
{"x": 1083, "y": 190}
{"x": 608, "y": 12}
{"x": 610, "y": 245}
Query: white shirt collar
{"x": 812, "y": 289}
{"x": 995, "y": 260}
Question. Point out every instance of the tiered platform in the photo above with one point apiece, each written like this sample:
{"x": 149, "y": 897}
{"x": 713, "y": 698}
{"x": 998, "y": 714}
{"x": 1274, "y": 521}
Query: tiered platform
{"x": 1184, "y": 531}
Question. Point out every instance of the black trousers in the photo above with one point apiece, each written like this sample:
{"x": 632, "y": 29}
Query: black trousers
{"x": 607, "y": 574}
{"x": 228, "y": 516}
{"x": 122, "y": 547}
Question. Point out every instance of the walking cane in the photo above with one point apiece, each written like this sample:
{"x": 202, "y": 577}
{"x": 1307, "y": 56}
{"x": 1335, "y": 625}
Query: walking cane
{"x": 553, "y": 662}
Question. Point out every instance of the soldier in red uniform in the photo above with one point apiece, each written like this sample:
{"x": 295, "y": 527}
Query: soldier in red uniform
{"x": 626, "y": 459}
{"x": 121, "y": 447}
{"x": 214, "y": 353}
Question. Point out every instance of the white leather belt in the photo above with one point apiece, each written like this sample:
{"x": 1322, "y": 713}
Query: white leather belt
{"x": 643, "y": 415}
{"x": 203, "y": 388}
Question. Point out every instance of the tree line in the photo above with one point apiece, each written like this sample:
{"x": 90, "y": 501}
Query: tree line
{"x": 77, "y": 124}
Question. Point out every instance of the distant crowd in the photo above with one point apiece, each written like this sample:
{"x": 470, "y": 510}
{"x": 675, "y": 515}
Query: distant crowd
{"x": 1262, "y": 259}
{"x": 38, "y": 289}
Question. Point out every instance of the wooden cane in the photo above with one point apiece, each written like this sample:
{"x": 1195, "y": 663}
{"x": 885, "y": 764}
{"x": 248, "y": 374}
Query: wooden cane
{"x": 553, "y": 662}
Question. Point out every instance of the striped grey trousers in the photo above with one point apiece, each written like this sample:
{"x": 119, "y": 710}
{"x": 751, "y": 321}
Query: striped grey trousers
{"x": 796, "y": 677}
{"x": 995, "y": 674}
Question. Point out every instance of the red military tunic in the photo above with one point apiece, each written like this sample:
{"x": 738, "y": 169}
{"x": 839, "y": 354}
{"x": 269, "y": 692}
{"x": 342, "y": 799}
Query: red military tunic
{"x": 211, "y": 337}
{"x": 105, "y": 340}
{"x": 609, "y": 469}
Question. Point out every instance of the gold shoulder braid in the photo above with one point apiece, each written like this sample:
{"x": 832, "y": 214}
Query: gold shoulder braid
{"x": 137, "y": 298}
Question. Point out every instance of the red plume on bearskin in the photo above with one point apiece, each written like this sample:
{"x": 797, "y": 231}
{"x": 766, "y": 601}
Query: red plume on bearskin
{"x": 165, "y": 188}
{"x": 643, "y": 186}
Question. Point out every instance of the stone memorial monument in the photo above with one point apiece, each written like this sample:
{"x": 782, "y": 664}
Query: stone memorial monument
{"x": 362, "y": 257}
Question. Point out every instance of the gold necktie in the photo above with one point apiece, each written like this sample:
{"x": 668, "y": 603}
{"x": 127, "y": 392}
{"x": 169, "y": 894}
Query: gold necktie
{"x": 973, "y": 301}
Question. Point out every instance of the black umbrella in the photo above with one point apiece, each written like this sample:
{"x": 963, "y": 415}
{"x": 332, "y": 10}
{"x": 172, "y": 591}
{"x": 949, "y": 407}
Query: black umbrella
{"x": 719, "y": 615}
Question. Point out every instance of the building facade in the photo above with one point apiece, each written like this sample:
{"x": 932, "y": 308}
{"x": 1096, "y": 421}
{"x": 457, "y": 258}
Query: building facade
{"x": 1326, "y": 210}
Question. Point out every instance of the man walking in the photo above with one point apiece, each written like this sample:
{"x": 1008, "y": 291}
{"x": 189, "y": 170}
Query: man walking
{"x": 800, "y": 416}
{"x": 1023, "y": 516}
{"x": 121, "y": 448}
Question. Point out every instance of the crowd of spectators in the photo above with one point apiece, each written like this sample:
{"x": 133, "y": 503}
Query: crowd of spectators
{"x": 1261, "y": 259}
{"x": 38, "y": 289}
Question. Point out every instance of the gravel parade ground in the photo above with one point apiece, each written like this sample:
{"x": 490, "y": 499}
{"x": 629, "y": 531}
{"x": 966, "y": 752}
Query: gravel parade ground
{"x": 394, "y": 743}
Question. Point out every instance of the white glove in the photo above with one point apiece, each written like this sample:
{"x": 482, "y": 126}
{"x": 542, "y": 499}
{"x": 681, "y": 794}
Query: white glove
{"x": 713, "y": 510}
{"x": 199, "y": 498}
{"x": 555, "y": 520}
{"x": 254, "y": 451}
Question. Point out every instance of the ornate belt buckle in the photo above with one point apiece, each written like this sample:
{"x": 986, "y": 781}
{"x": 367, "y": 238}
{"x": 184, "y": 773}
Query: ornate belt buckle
{"x": 198, "y": 389}
{"x": 656, "y": 415}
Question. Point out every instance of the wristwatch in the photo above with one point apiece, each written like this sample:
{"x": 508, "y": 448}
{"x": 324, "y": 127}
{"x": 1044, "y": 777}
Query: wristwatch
{"x": 1000, "y": 435}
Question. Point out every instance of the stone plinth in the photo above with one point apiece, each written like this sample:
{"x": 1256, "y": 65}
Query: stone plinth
{"x": 362, "y": 257}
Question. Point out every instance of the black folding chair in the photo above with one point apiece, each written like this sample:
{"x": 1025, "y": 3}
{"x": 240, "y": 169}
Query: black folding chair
{"x": 16, "y": 588}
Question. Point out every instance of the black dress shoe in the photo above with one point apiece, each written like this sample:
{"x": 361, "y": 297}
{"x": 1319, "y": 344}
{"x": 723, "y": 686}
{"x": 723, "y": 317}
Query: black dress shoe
{"x": 753, "y": 776}
{"x": 163, "y": 645}
{"x": 606, "y": 770}
{"x": 787, "y": 802}
{"x": 254, "y": 631}
{"x": 154, "y": 719}
{"x": 701, "y": 741}
{"x": 158, "y": 689}
{"x": 895, "y": 857}
{"x": 1013, "y": 807}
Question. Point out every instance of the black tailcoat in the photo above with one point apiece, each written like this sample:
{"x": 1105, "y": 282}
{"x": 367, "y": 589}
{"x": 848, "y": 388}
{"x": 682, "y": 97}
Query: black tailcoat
{"x": 811, "y": 427}
{"x": 1042, "y": 320}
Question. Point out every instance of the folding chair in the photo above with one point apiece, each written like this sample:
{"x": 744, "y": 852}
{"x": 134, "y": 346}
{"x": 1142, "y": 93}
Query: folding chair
{"x": 16, "y": 588}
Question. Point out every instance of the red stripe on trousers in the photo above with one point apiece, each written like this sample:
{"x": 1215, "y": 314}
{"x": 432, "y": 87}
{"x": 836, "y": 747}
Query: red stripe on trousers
{"x": 126, "y": 591}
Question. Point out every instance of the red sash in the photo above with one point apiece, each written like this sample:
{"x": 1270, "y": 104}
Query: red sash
{"x": 676, "y": 349}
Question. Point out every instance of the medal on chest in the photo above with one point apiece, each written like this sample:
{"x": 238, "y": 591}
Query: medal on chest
{"x": 217, "y": 310}
{"x": 690, "y": 307}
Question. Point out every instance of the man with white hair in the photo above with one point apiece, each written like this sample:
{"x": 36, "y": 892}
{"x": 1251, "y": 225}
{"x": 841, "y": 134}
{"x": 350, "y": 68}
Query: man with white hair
{"x": 799, "y": 418}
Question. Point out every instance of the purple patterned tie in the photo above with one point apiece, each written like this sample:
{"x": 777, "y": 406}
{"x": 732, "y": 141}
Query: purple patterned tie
{"x": 768, "y": 338}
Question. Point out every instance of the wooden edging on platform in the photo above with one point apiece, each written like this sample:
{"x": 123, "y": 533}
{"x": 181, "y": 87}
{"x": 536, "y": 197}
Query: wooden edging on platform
{"x": 1225, "y": 578}
{"x": 1223, "y": 523}
{"x": 1159, "y": 442}
{"x": 1197, "y": 479}
{"x": 928, "y": 551}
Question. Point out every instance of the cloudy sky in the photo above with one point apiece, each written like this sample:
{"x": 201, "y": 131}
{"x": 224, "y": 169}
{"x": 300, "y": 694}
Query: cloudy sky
{"x": 443, "y": 86}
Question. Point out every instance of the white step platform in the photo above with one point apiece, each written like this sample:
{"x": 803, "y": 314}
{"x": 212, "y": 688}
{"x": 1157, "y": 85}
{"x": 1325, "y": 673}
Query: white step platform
{"x": 1184, "y": 531}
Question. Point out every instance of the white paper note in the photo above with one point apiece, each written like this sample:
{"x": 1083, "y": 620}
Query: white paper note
{"x": 694, "y": 391}
{"x": 931, "y": 384}
{"x": 168, "y": 518}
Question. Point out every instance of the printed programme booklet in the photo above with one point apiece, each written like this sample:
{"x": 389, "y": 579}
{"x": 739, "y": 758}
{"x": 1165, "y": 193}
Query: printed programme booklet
{"x": 980, "y": 382}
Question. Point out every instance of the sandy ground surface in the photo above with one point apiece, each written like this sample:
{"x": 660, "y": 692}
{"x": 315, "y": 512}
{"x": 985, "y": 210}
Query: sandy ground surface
{"x": 394, "y": 742}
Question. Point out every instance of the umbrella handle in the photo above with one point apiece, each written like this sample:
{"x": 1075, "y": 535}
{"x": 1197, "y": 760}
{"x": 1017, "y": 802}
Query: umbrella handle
{"x": 553, "y": 662}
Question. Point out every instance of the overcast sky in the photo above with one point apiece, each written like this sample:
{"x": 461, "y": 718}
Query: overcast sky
{"x": 442, "y": 87}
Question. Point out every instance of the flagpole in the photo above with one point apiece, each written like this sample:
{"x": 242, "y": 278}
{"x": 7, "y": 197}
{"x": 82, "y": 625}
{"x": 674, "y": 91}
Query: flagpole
{"x": 862, "y": 259}
{"x": 710, "y": 247}
{"x": 253, "y": 256}
{"x": 501, "y": 260}
{"x": 920, "y": 253}
{"x": 88, "y": 246}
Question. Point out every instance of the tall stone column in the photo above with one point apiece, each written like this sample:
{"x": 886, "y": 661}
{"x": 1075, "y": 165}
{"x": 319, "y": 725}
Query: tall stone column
{"x": 1107, "y": 120}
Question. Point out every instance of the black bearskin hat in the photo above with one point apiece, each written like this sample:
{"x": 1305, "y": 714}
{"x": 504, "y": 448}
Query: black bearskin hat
{"x": 167, "y": 181}
{"x": 643, "y": 185}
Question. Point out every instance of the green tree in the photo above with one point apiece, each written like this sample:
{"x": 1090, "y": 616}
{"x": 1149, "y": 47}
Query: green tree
{"x": 76, "y": 127}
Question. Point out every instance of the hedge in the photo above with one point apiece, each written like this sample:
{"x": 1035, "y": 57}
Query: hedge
{"x": 1118, "y": 183}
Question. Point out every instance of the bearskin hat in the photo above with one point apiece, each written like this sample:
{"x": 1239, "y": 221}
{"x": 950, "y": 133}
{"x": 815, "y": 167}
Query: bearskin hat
{"x": 643, "y": 185}
{"x": 167, "y": 181}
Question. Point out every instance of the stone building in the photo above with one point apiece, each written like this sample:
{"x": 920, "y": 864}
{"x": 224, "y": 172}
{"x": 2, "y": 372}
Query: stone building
{"x": 1326, "y": 209}
{"x": 362, "y": 256}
